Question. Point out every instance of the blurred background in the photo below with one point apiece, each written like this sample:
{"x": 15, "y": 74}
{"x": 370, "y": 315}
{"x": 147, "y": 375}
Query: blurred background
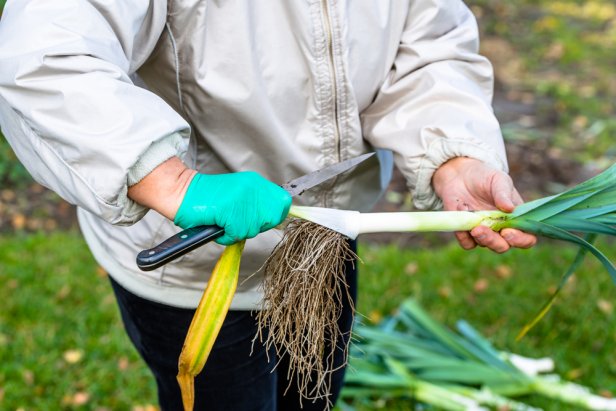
{"x": 61, "y": 341}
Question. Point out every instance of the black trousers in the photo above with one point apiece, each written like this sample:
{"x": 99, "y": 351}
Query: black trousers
{"x": 237, "y": 375}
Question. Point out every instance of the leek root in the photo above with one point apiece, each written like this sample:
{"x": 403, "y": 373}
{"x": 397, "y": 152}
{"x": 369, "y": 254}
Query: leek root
{"x": 304, "y": 289}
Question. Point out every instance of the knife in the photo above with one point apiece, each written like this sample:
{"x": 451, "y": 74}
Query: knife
{"x": 194, "y": 237}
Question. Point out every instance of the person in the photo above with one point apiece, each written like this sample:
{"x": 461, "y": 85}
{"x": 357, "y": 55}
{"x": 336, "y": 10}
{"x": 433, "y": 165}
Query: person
{"x": 156, "y": 115}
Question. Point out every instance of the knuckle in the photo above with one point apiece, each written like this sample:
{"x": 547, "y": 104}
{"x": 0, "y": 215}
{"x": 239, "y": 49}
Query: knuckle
{"x": 468, "y": 245}
{"x": 286, "y": 199}
{"x": 253, "y": 230}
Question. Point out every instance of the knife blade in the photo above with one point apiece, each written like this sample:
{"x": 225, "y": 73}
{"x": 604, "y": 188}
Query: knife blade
{"x": 192, "y": 238}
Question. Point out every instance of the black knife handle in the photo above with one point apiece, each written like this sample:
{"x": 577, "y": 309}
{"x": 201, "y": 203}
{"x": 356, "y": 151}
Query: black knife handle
{"x": 177, "y": 245}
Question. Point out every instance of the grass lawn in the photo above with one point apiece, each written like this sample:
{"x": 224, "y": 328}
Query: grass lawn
{"x": 62, "y": 345}
{"x": 61, "y": 339}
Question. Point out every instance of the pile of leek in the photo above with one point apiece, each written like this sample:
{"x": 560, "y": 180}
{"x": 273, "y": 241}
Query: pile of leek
{"x": 410, "y": 355}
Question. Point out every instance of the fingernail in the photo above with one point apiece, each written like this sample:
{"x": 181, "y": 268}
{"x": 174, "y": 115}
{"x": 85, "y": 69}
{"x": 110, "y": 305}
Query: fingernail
{"x": 508, "y": 237}
{"x": 480, "y": 237}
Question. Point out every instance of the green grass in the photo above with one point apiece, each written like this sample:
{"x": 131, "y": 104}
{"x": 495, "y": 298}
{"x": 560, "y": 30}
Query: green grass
{"x": 55, "y": 301}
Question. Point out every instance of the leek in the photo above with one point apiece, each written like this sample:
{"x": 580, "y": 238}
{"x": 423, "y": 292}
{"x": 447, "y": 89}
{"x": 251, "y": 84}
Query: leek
{"x": 464, "y": 363}
{"x": 588, "y": 208}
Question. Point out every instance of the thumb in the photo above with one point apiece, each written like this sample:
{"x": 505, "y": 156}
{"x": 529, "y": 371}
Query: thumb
{"x": 502, "y": 192}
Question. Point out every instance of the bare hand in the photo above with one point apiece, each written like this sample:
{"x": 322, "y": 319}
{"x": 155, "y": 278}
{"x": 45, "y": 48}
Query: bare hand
{"x": 466, "y": 184}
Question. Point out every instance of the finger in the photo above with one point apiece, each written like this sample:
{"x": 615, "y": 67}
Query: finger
{"x": 517, "y": 198}
{"x": 252, "y": 231}
{"x": 233, "y": 233}
{"x": 225, "y": 240}
{"x": 485, "y": 237}
{"x": 267, "y": 225}
{"x": 466, "y": 240}
{"x": 502, "y": 192}
{"x": 518, "y": 239}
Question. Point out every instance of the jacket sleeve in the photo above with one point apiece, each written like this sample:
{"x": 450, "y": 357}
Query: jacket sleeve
{"x": 435, "y": 103}
{"x": 68, "y": 106}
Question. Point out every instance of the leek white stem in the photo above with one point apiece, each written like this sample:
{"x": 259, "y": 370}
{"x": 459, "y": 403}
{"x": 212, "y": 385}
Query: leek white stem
{"x": 486, "y": 396}
{"x": 353, "y": 223}
{"x": 529, "y": 366}
{"x": 443, "y": 397}
{"x": 572, "y": 393}
{"x": 423, "y": 221}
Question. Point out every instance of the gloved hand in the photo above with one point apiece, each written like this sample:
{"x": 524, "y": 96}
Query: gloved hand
{"x": 244, "y": 204}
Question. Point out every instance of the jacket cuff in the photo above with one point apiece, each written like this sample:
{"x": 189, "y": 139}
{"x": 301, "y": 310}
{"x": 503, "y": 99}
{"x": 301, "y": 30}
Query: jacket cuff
{"x": 439, "y": 152}
{"x": 157, "y": 153}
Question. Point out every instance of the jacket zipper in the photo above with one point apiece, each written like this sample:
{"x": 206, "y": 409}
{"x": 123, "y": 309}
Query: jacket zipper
{"x": 332, "y": 69}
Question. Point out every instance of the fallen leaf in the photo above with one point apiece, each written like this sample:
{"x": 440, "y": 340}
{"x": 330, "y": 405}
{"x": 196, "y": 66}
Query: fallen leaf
{"x": 80, "y": 398}
{"x": 123, "y": 363}
{"x": 575, "y": 373}
{"x": 481, "y": 285}
{"x": 411, "y": 268}
{"x": 605, "y": 306}
{"x": 37, "y": 188}
{"x": 109, "y": 300}
{"x": 8, "y": 195}
{"x": 50, "y": 224}
{"x": 375, "y": 316}
{"x": 73, "y": 356}
{"x": 444, "y": 291}
{"x": 527, "y": 98}
{"x": 101, "y": 272}
{"x": 67, "y": 400}
{"x": 63, "y": 292}
{"x": 147, "y": 407}
{"x": 527, "y": 121}
{"x": 580, "y": 122}
{"x": 503, "y": 271}
{"x": 555, "y": 51}
{"x": 18, "y": 221}
{"x": 34, "y": 224}
{"x": 28, "y": 377}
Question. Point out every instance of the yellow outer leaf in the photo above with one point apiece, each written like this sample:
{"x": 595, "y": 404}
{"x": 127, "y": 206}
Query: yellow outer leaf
{"x": 207, "y": 321}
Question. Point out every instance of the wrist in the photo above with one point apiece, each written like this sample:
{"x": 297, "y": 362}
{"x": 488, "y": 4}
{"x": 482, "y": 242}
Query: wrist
{"x": 164, "y": 188}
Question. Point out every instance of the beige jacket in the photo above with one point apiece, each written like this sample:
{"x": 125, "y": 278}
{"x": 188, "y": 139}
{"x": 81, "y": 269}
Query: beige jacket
{"x": 282, "y": 87}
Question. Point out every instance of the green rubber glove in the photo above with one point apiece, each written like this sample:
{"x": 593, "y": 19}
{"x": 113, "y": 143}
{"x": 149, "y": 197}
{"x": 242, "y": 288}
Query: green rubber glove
{"x": 244, "y": 204}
